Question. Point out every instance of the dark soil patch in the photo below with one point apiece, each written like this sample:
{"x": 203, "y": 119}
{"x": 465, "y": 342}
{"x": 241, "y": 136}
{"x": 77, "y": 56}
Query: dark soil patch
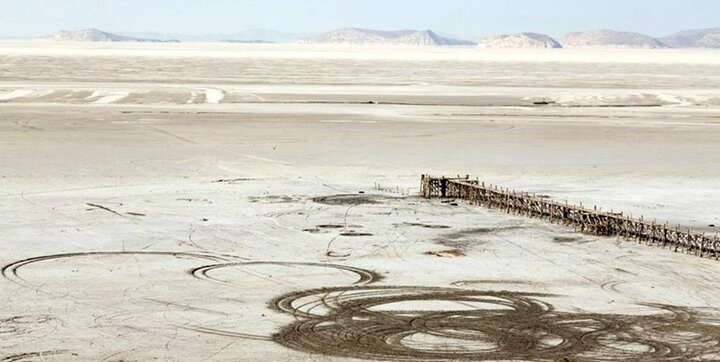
{"x": 427, "y": 226}
{"x": 469, "y": 238}
{"x": 351, "y": 199}
{"x": 354, "y": 233}
{"x": 566, "y": 239}
{"x": 234, "y": 180}
{"x": 330, "y": 226}
{"x": 479, "y": 231}
{"x": 273, "y": 199}
{"x": 570, "y": 240}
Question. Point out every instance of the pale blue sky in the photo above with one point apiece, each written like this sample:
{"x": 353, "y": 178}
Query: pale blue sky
{"x": 460, "y": 17}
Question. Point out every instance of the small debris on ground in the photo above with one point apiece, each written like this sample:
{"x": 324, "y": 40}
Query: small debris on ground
{"x": 452, "y": 253}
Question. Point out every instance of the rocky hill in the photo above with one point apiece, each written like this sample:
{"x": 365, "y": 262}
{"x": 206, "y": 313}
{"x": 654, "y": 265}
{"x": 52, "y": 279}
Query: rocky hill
{"x": 243, "y": 36}
{"x": 521, "y": 40}
{"x": 357, "y": 36}
{"x": 611, "y": 39}
{"x": 696, "y": 38}
{"x": 95, "y": 35}
{"x": 711, "y": 40}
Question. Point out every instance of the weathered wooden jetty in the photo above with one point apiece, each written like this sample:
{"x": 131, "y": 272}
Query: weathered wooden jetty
{"x": 590, "y": 221}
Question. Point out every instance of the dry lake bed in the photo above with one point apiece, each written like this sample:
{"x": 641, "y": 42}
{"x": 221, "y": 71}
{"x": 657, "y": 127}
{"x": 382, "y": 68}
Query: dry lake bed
{"x": 259, "y": 202}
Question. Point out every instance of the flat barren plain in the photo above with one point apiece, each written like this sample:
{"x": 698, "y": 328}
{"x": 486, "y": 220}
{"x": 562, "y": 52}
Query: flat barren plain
{"x": 203, "y": 202}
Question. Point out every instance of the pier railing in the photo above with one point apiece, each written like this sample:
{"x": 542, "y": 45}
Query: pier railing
{"x": 591, "y": 221}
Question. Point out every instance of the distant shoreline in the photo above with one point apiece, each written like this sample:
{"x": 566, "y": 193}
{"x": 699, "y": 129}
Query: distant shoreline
{"x": 359, "y": 52}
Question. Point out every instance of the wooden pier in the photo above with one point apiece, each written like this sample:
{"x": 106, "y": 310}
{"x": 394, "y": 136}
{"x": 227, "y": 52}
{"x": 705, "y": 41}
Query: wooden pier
{"x": 590, "y": 221}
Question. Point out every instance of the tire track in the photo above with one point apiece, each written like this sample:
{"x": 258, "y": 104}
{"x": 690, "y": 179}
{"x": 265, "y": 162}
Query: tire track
{"x": 10, "y": 271}
{"x": 369, "y": 322}
{"x": 364, "y": 276}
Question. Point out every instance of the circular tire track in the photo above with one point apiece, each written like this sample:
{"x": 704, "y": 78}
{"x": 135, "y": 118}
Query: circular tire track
{"x": 364, "y": 276}
{"x": 612, "y": 285}
{"x": 361, "y": 322}
{"x": 10, "y": 271}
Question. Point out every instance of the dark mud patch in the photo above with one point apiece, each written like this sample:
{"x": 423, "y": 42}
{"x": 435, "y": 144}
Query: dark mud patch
{"x": 426, "y": 226}
{"x": 570, "y": 240}
{"x": 352, "y": 199}
{"x": 451, "y": 253}
{"x": 330, "y": 226}
{"x": 273, "y": 199}
{"x": 397, "y": 323}
{"x": 233, "y": 180}
{"x": 469, "y": 238}
{"x": 566, "y": 239}
{"x": 323, "y": 228}
{"x": 355, "y": 233}
{"x": 479, "y": 231}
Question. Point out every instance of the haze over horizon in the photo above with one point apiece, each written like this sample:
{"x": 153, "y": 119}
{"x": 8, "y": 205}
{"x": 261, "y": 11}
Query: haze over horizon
{"x": 465, "y": 18}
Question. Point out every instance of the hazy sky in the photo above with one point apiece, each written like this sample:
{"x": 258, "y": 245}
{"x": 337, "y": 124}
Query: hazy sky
{"x": 460, "y": 17}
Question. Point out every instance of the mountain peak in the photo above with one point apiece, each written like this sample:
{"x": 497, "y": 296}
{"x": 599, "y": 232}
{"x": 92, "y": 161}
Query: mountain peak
{"x": 695, "y": 38}
{"x": 93, "y": 35}
{"x": 360, "y": 36}
{"x": 519, "y": 40}
{"x": 606, "y": 38}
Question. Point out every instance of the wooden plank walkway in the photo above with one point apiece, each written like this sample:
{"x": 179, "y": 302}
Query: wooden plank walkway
{"x": 590, "y": 221}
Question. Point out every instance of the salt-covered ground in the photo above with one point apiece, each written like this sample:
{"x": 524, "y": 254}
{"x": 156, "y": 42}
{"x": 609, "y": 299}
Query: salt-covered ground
{"x": 165, "y": 201}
